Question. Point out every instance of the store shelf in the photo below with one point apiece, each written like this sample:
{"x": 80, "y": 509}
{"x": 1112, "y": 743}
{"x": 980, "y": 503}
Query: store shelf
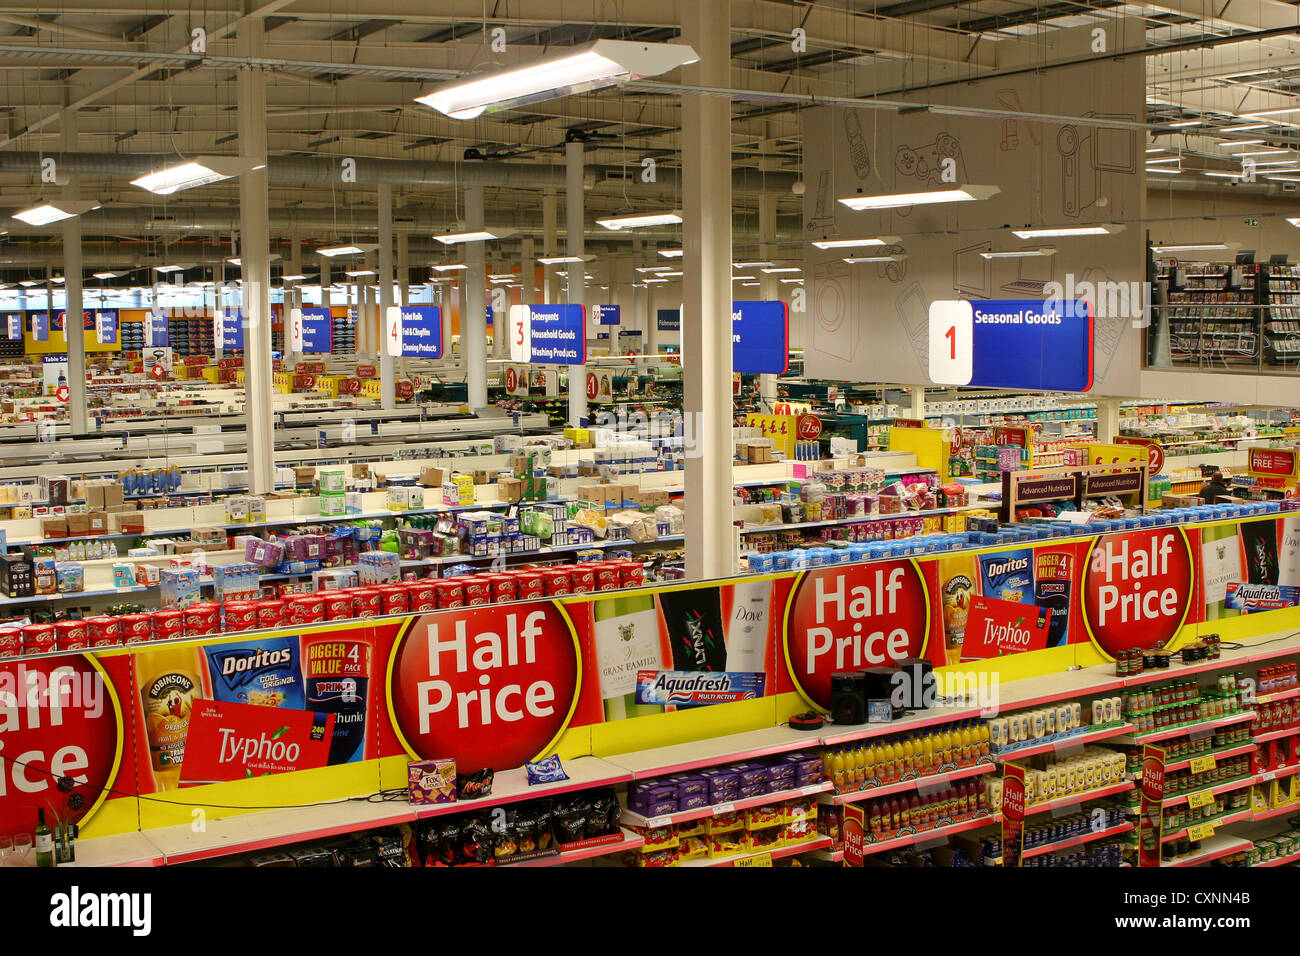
{"x": 511, "y": 786}
{"x": 1264, "y": 776}
{"x": 776, "y": 853}
{"x": 915, "y": 720}
{"x": 1279, "y": 861}
{"x": 934, "y": 833}
{"x": 1226, "y": 787}
{"x": 1275, "y": 734}
{"x": 1223, "y": 754}
{"x": 851, "y": 519}
{"x": 1220, "y": 821}
{"x": 678, "y": 758}
{"x": 1289, "y": 810}
{"x": 1170, "y": 732}
{"x": 1061, "y": 743}
{"x": 632, "y": 818}
{"x": 1215, "y": 847}
{"x": 1060, "y": 803}
{"x": 931, "y": 782}
{"x": 121, "y": 849}
{"x": 630, "y": 841}
{"x": 1077, "y": 841}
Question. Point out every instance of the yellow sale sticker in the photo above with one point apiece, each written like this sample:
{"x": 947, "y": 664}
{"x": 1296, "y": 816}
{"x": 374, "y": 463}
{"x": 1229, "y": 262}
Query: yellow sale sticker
{"x": 1201, "y": 831}
{"x": 1202, "y": 764}
{"x": 1202, "y": 798}
{"x": 762, "y": 859}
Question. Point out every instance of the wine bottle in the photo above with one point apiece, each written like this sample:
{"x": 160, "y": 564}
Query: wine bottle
{"x": 44, "y": 840}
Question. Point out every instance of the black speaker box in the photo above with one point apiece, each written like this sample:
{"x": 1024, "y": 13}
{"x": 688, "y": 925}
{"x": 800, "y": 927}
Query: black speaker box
{"x": 916, "y": 677}
{"x": 848, "y": 702}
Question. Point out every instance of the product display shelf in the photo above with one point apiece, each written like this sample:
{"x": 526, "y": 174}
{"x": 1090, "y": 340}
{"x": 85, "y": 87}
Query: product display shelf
{"x": 776, "y": 853}
{"x": 121, "y": 849}
{"x": 632, "y": 818}
{"x": 1225, "y": 787}
{"x": 1223, "y": 754}
{"x": 1090, "y": 837}
{"x": 1222, "y": 820}
{"x": 934, "y": 781}
{"x": 679, "y": 758}
{"x": 67, "y": 595}
{"x": 511, "y": 786}
{"x": 1217, "y": 846}
{"x": 913, "y": 720}
{"x": 1061, "y": 803}
{"x": 1062, "y": 743}
{"x": 1288, "y": 770}
{"x": 1168, "y": 733}
{"x": 630, "y": 841}
{"x": 1279, "y": 861}
{"x": 1276, "y": 695}
{"x": 1289, "y": 810}
{"x": 934, "y": 833}
{"x": 851, "y": 519}
{"x": 1276, "y": 734}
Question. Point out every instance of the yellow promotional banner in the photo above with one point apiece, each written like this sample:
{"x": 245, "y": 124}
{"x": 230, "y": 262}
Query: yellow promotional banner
{"x": 780, "y": 428}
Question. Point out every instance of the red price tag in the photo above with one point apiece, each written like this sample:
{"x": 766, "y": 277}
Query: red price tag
{"x": 512, "y": 380}
{"x": 593, "y": 385}
{"x": 808, "y": 427}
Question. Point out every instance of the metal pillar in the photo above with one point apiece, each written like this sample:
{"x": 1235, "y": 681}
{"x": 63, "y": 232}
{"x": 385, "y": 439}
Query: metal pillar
{"x": 768, "y": 285}
{"x": 72, "y": 304}
{"x": 550, "y": 243}
{"x": 255, "y": 259}
{"x": 292, "y": 297}
{"x": 387, "y": 375}
{"x": 527, "y": 272}
{"x": 706, "y": 306}
{"x": 403, "y": 268}
{"x": 574, "y": 223}
{"x": 473, "y": 313}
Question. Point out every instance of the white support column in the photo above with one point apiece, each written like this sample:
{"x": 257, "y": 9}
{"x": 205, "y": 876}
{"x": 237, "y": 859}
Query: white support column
{"x": 255, "y": 260}
{"x": 326, "y": 297}
{"x": 527, "y": 272}
{"x": 473, "y": 313}
{"x": 706, "y": 316}
{"x": 550, "y": 243}
{"x": 500, "y": 338}
{"x": 387, "y": 374}
{"x": 916, "y": 404}
{"x": 574, "y": 226}
{"x": 1107, "y": 418}
{"x": 72, "y": 298}
{"x": 403, "y": 268}
{"x": 767, "y": 251}
{"x": 292, "y": 296}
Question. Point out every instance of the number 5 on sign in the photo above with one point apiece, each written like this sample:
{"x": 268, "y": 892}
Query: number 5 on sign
{"x": 951, "y": 342}
{"x": 295, "y": 330}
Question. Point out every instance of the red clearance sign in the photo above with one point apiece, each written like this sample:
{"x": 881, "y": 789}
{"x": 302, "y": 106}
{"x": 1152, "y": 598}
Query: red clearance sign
{"x": 1137, "y": 588}
{"x": 853, "y": 616}
{"x": 485, "y": 686}
{"x": 854, "y": 830}
{"x": 1013, "y": 815}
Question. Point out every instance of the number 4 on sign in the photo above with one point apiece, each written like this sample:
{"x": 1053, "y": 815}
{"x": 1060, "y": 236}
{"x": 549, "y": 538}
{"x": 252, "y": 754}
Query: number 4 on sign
{"x": 393, "y": 332}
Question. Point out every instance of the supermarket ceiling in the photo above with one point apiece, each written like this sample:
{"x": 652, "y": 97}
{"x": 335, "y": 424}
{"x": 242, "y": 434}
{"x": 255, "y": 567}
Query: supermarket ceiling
{"x": 342, "y": 78}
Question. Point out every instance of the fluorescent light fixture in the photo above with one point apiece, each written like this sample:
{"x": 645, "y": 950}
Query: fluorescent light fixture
{"x": 751, "y": 265}
{"x": 1225, "y": 175}
{"x": 641, "y": 220}
{"x": 1166, "y": 172}
{"x": 292, "y": 278}
{"x": 741, "y": 278}
{"x": 671, "y": 253}
{"x": 500, "y": 280}
{"x": 45, "y": 213}
{"x": 169, "y": 268}
{"x": 791, "y": 281}
{"x": 1283, "y": 179}
{"x": 58, "y": 280}
{"x": 1050, "y": 232}
{"x": 783, "y": 270}
{"x": 195, "y": 172}
{"x": 563, "y": 260}
{"x": 654, "y": 280}
{"x": 1156, "y": 149}
{"x": 345, "y": 250}
{"x": 1195, "y": 247}
{"x": 358, "y": 273}
{"x": 477, "y": 235}
{"x": 925, "y": 198}
{"x": 1277, "y": 112}
{"x": 1242, "y": 129}
{"x": 750, "y": 283}
{"x": 1263, "y": 152}
{"x": 1019, "y": 253}
{"x": 575, "y": 70}
{"x": 28, "y": 283}
{"x": 1184, "y": 123}
{"x": 670, "y": 275}
{"x": 104, "y": 275}
{"x": 1295, "y": 221}
{"x": 452, "y": 267}
{"x": 1163, "y": 159}
{"x": 855, "y": 260}
{"x": 653, "y": 269}
{"x": 236, "y": 261}
{"x": 851, "y": 243}
{"x": 501, "y": 277}
{"x": 1244, "y": 142}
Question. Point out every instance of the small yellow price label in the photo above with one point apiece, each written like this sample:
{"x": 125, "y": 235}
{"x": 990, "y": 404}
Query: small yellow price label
{"x": 762, "y": 859}
{"x": 1202, "y": 798}
{"x": 1202, "y": 764}
{"x": 1201, "y": 831}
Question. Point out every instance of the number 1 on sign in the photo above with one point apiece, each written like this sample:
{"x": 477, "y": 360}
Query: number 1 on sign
{"x": 951, "y": 339}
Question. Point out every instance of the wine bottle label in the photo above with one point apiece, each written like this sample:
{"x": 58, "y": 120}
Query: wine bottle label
{"x": 44, "y": 842}
{"x": 625, "y": 644}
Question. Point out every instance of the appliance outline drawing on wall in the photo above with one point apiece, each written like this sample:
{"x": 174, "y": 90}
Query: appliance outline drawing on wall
{"x": 1086, "y": 154}
{"x": 821, "y": 219}
{"x": 1010, "y": 99}
{"x": 858, "y": 152}
{"x": 926, "y": 164}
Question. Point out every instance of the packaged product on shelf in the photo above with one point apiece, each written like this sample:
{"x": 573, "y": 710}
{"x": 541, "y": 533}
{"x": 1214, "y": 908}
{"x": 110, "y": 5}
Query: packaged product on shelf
{"x": 70, "y": 576}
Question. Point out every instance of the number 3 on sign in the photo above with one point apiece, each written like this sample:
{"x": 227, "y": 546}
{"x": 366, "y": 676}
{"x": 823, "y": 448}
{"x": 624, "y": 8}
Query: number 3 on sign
{"x": 951, "y": 342}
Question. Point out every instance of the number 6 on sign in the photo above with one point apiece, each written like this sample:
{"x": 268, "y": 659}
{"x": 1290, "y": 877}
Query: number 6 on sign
{"x": 951, "y": 336}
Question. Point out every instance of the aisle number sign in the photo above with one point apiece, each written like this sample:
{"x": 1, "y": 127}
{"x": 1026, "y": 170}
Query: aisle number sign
{"x": 1012, "y": 343}
{"x": 548, "y": 334}
{"x": 668, "y": 320}
{"x": 760, "y": 337}
{"x": 605, "y": 314}
{"x": 413, "y": 331}
{"x": 310, "y": 330}
{"x": 41, "y": 326}
{"x": 229, "y": 329}
{"x": 14, "y": 321}
{"x": 1155, "y": 453}
{"x": 782, "y": 429}
{"x": 155, "y": 330}
{"x": 106, "y": 326}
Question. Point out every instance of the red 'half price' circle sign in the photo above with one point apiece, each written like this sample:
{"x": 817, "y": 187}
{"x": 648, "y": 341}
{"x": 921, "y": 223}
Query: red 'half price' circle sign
{"x": 1137, "y": 588}
{"x": 850, "y": 617}
{"x": 486, "y": 686}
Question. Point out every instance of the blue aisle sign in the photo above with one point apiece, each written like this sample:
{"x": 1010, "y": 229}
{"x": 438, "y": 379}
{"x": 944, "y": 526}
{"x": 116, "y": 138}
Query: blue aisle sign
{"x": 605, "y": 314}
{"x": 548, "y": 334}
{"x": 229, "y": 330}
{"x": 414, "y": 331}
{"x": 489, "y": 316}
{"x": 317, "y": 331}
{"x": 106, "y": 326}
{"x": 760, "y": 337}
{"x": 41, "y": 326}
{"x": 1012, "y": 343}
{"x": 155, "y": 330}
{"x": 668, "y": 320}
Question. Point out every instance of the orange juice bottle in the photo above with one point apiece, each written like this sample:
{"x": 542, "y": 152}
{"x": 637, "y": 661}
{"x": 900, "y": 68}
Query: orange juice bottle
{"x": 906, "y": 748}
{"x": 171, "y": 681}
